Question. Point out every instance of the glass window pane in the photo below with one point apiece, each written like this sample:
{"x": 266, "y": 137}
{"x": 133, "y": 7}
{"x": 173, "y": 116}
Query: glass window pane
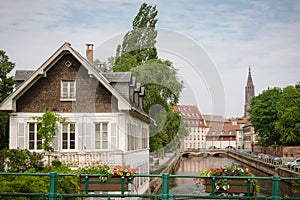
{"x": 72, "y": 136}
{"x": 104, "y": 127}
{"x": 104, "y": 136}
{"x": 72, "y": 128}
{"x": 65, "y": 136}
{"x": 97, "y": 127}
{"x": 65, "y": 128}
{"x": 72, "y": 145}
{"x": 39, "y": 136}
{"x": 97, "y": 136}
{"x": 31, "y": 136}
{"x": 39, "y": 145}
{"x": 31, "y": 127}
{"x": 64, "y": 145}
{"x": 105, "y": 145}
{"x": 31, "y": 145}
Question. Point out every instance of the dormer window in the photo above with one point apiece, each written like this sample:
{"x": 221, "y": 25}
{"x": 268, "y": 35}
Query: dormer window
{"x": 68, "y": 91}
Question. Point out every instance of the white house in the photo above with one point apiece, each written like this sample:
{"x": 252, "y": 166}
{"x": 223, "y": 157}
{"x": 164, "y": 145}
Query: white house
{"x": 103, "y": 110}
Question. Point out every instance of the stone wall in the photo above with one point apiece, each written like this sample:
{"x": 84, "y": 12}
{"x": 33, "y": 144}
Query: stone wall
{"x": 292, "y": 151}
{"x": 269, "y": 150}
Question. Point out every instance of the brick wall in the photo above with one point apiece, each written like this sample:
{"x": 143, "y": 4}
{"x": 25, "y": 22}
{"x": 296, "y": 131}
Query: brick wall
{"x": 91, "y": 96}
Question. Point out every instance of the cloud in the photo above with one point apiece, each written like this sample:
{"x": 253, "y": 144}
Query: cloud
{"x": 234, "y": 34}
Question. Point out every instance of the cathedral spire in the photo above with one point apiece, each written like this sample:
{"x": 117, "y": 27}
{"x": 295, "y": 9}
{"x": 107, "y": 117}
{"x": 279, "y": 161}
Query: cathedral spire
{"x": 249, "y": 81}
{"x": 249, "y": 93}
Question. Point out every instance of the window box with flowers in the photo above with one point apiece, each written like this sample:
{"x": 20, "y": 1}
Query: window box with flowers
{"x": 226, "y": 180}
{"x": 106, "y": 178}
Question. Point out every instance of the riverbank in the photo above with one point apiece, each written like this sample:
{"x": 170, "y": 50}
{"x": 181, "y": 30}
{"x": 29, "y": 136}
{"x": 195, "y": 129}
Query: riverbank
{"x": 268, "y": 168}
{"x": 193, "y": 166}
{"x": 167, "y": 163}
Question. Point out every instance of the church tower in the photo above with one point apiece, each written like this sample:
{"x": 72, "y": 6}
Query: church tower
{"x": 249, "y": 93}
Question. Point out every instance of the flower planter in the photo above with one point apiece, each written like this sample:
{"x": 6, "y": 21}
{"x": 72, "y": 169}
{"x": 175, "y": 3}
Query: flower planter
{"x": 236, "y": 186}
{"x": 113, "y": 184}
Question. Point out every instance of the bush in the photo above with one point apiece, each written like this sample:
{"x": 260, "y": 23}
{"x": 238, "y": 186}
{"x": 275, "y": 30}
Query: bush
{"x": 16, "y": 160}
{"x": 31, "y": 162}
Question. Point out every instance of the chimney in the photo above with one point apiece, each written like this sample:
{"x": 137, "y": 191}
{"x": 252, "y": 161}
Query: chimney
{"x": 89, "y": 52}
{"x": 101, "y": 68}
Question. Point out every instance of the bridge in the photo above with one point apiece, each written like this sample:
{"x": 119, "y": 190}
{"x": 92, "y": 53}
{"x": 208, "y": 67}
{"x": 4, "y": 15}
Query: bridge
{"x": 203, "y": 153}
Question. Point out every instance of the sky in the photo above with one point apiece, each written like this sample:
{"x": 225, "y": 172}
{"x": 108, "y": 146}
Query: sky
{"x": 212, "y": 43}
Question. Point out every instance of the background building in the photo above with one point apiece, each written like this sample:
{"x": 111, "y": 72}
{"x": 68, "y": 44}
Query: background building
{"x": 196, "y": 125}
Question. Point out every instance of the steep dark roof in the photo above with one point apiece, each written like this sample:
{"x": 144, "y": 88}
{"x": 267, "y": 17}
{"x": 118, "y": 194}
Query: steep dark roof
{"x": 118, "y": 77}
{"x": 22, "y": 75}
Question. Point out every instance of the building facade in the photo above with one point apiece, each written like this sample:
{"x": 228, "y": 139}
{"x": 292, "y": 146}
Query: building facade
{"x": 104, "y": 119}
{"x": 196, "y": 125}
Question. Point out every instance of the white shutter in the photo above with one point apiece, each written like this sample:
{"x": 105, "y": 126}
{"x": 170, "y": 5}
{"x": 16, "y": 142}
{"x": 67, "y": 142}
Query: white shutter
{"x": 55, "y": 143}
{"x": 21, "y": 136}
{"x": 80, "y": 137}
{"x": 113, "y": 136}
{"x": 88, "y": 137}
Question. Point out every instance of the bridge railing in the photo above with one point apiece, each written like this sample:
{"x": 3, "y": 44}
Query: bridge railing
{"x": 165, "y": 188}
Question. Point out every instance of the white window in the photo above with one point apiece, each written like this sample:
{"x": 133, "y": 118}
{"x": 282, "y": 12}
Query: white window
{"x": 68, "y": 90}
{"x": 35, "y": 139}
{"x": 101, "y": 135}
{"x": 68, "y": 136}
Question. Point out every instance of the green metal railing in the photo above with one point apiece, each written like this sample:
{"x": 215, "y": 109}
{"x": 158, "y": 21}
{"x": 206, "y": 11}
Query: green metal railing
{"x": 165, "y": 193}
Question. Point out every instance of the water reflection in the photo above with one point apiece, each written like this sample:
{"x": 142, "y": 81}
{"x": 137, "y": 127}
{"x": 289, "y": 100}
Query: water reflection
{"x": 193, "y": 165}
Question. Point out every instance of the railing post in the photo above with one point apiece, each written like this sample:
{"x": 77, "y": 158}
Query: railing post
{"x": 165, "y": 186}
{"x": 275, "y": 187}
{"x": 53, "y": 186}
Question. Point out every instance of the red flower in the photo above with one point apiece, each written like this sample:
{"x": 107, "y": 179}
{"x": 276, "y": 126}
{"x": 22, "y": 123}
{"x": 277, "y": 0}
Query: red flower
{"x": 203, "y": 181}
{"x": 249, "y": 170}
{"x": 221, "y": 170}
{"x": 195, "y": 179}
{"x": 212, "y": 169}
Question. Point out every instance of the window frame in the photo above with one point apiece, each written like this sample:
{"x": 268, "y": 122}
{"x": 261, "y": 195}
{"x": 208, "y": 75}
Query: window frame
{"x": 35, "y": 137}
{"x": 67, "y": 97}
{"x": 68, "y": 139}
{"x": 101, "y": 131}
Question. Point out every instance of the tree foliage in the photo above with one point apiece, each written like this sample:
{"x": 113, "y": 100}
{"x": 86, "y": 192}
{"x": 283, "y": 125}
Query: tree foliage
{"x": 16, "y": 160}
{"x": 263, "y": 115}
{"x": 288, "y": 124}
{"x": 6, "y": 82}
{"x": 6, "y": 87}
{"x": 138, "y": 54}
{"x": 275, "y": 115}
{"x": 160, "y": 81}
{"x": 48, "y": 128}
{"x": 138, "y": 45}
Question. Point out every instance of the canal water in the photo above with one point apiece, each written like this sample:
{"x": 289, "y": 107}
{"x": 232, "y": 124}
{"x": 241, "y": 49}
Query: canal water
{"x": 193, "y": 166}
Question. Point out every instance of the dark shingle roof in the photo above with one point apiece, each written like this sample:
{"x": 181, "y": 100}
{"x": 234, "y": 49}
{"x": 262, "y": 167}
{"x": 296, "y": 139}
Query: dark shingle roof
{"x": 22, "y": 75}
{"x": 118, "y": 77}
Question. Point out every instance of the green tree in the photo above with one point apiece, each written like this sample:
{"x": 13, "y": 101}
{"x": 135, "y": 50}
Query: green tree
{"x": 288, "y": 124}
{"x": 6, "y": 82}
{"x": 138, "y": 54}
{"x": 48, "y": 128}
{"x": 6, "y": 87}
{"x": 160, "y": 81}
{"x": 138, "y": 45}
{"x": 263, "y": 115}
